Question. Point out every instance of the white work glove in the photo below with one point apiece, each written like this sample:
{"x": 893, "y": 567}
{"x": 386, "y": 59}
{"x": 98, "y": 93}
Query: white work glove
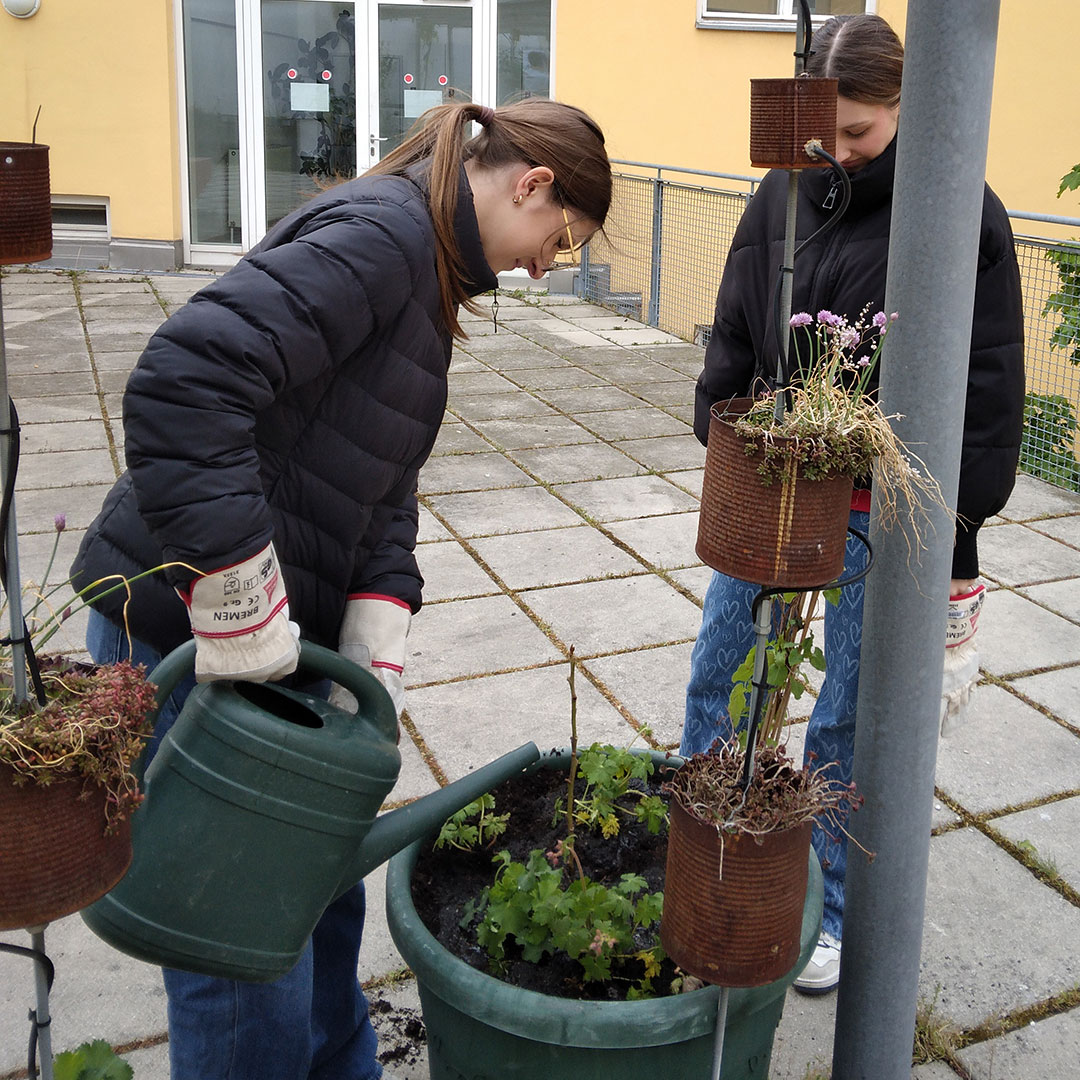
{"x": 961, "y": 671}
{"x": 240, "y": 619}
{"x": 373, "y": 633}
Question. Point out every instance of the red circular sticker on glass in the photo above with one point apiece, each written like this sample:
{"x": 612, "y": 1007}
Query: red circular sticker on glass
{"x": 408, "y": 80}
{"x": 443, "y": 80}
{"x": 326, "y": 75}
{"x": 291, "y": 73}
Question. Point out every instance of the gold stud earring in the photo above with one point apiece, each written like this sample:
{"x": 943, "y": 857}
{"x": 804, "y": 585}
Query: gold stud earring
{"x": 517, "y": 199}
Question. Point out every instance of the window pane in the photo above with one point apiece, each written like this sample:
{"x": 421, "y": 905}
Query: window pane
{"x": 524, "y": 50}
{"x": 425, "y": 59}
{"x": 741, "y": 7}
{"x": 837, "y": 7}
{"x": 309, "y": 98}
{"x": 213, "y": 123}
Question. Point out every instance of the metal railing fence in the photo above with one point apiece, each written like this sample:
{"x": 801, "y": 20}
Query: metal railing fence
{"x": 667, "y": 239}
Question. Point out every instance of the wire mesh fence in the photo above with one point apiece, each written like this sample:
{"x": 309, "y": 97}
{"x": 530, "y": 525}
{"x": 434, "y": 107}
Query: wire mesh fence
{"x": 667, "y": 239}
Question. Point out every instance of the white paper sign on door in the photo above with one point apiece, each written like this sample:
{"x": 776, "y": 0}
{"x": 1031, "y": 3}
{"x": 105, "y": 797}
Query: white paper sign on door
{"x": 417, "y": 102}
{"x": 309, "y": 97}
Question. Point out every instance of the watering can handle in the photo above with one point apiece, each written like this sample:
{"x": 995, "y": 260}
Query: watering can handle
{"x": 372, "y": 699}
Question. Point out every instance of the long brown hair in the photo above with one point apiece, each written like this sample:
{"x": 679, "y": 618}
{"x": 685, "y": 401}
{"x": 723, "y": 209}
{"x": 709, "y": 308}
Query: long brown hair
{"x": 864, "y": 54}
{"x": 534, "y": 131}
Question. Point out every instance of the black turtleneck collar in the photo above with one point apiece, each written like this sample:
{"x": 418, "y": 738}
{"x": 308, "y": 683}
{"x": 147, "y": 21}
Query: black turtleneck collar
{"x": 478, "y": 277}
{"x": 870, "y": 186}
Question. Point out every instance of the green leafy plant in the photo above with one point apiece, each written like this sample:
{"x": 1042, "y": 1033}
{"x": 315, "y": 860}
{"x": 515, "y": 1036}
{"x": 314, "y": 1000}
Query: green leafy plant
{"x": 91, "y": 1061}
{"x": 461, "y": 831}
{"x": 1065, "y": 302}
{"x": 1050, "y": 428}
{"x": 610, "y": 930}
{"x": 594, "y": 924}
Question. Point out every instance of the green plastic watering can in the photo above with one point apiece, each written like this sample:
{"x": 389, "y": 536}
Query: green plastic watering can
{"x": 260, "y": 810}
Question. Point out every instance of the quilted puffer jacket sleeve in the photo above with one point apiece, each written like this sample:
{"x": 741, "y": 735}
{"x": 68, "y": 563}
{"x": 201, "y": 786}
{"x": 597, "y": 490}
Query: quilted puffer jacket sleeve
{"x": 282, "y": 316}
{"x": 391, "y": 569}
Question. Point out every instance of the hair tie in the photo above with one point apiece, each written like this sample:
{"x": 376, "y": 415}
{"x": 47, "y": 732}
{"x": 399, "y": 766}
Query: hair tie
{"x": 485, "y": 116}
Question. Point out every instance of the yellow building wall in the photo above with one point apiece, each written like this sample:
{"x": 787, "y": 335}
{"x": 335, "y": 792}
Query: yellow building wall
{"x": 104, "y": 75}
{"x": 666, "y": 92}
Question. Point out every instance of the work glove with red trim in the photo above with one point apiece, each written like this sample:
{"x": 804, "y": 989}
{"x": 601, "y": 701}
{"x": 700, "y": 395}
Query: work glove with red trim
{"x": 240, "y": 619}
{"x": 961, "y": 671}
{"x": 373, "y": 633}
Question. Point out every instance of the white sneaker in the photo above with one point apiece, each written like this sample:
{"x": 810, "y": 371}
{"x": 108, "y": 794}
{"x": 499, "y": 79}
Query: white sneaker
{"x": 822, "y": 973}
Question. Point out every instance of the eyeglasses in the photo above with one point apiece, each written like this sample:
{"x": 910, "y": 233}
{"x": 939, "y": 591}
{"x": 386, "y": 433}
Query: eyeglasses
{"x": 569, "y": 252}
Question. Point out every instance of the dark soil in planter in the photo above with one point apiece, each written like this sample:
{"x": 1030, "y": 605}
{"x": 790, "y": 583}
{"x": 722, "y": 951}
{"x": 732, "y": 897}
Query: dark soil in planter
{"x": 444, "y": 880}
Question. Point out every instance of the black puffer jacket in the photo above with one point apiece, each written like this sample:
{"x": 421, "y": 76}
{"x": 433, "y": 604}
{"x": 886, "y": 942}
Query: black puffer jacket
{"x": 293, "y": 400}
{"x": 844, "y": 271}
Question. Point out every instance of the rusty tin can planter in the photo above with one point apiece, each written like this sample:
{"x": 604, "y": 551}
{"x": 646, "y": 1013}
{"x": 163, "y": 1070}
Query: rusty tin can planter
{"x": 25, "y": 205}
{"x": 55, "y": 858}
{"x": 785, "y": 114}
{"x": 792, "y": 532}
{"x": 733, "y": 903}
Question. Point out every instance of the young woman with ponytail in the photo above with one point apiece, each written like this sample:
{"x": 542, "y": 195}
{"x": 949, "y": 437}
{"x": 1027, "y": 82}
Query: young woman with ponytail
{"x": 274, "y": 430}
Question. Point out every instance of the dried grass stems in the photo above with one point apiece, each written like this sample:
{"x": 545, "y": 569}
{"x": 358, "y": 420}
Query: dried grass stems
{"x": 709, "y": 787}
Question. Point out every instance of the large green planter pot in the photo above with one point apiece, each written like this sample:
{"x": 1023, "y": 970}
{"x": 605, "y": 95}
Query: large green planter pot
{"x": 480, "y": 1028}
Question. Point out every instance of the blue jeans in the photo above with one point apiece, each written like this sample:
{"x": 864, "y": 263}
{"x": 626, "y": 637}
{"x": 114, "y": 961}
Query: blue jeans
{"x": 725, "y": 637}
{"x": 311, "y": 1024}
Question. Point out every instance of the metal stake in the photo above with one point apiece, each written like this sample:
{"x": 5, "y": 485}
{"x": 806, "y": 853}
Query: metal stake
{"x": 41, "y": 983}
{"x": 718, "y": 1037}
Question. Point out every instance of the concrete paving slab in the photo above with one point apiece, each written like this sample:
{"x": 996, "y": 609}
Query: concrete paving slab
{"x": 471, "y": 472}
{"x": 684, "y": 412}
{"x": 666, "y": 453}
{"x": 479, "y": 380}
{"x": 501, "y": 355}
{"x": 489, "y": 513}
{"x": 588, "y": 461}
{"x": 626, "y": 497}
{"x": 934, "y": 1070}
{"x": 456, "y": 438}
{"x": 499, "y": 406}
{"x": 804, "y": 1037}
{"x": 395, "y": 1015}
{"x": 666, "y": 542}
{"x": 548, "y": 378}
{"x": 530, "y": 432}
{"x": 1061, "y": 597}
{"x": 117, "y": 361}
{"x": 40, "y": 438}
{"x": 1033, "y": 499}
{"x": 591, "y": 399}
{"x": 450, "y": 572}
{"x": 979, "y": 958}
{"x": 1058, "y": 691}
{"x": 1051, "y": 831}
{"x": 1045, "y": 1049}
{"x": 667, "y": 393}
{"x": 651, "y": 684}
{"x": 378, "y": 955}
{"x": 628, "y": 372}
{"x": 63, "y": 468}
{"x": 554, "y": 557}
{"x": 98, "y": 993}
{"x": 121, "y": 341}
{"x": 1016, "y": 635}
{"x": 80, "y": 504}
{"x": 29, "y": 360}
{"x": 1042, "y": 755}
{"x": 415, "y": 778}
{"x": 468, "y": 637}
{"x": 638, "y": 336}
{"x": 21, "y": 387}
{"x": 430, "y": 528}
{"x": 150, "y": 1063}
{"x": 616, "y": 615}
{"x": 1066, "y": 529}
{"x": 1017, "y": 555}
{"x": 467, "y": 724}
{"x": 696, "y": 580}
{"x": 598, "y": 356}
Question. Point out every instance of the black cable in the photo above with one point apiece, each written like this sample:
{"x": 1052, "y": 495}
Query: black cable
{"x": 5, "y": 512}
{"x": 35, "y": 1026}
{"x": 808, "y": 36}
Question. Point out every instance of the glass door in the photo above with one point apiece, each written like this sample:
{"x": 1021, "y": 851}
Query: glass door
{"x": 309, "y": 100}
{"x": 425, "y": 58}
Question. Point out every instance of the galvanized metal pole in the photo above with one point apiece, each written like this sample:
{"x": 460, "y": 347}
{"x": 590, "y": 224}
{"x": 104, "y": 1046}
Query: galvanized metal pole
{"x": 657, "y": 249}
{"x": 937, "y": 204}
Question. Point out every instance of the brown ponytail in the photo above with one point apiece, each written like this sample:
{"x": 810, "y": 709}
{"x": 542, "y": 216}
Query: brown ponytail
{"x": 864, "y": 54}
{"x": 534, "y": 131}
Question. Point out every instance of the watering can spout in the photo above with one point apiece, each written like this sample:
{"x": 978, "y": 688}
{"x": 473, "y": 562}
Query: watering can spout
{"x": 399, "y": 828}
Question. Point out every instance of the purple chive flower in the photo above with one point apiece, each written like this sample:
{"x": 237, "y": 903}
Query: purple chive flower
{"x": 894, "y": 316}
{"x": 864, "y": 361}
{"x": 60, "y": 522}
{"x": 828, "y": 318}
{"x": 881, "y": 320}
{"x": 800, "y": 318}
{"x": 849, "y": 337}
